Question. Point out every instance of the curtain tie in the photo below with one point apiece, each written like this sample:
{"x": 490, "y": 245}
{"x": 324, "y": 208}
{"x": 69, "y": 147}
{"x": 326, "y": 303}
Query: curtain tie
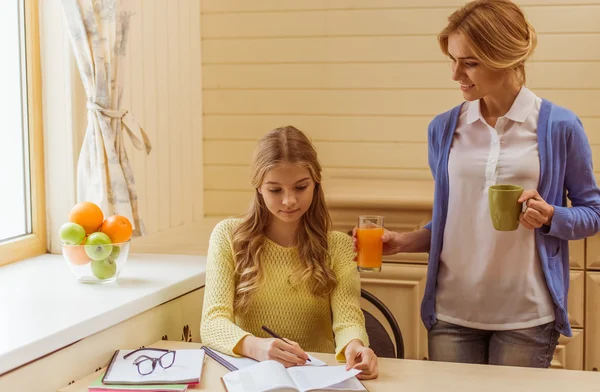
{"x": 136, "y": 132}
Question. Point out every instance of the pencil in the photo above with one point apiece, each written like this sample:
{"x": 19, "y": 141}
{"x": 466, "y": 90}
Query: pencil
{"x": 276, "y": 336}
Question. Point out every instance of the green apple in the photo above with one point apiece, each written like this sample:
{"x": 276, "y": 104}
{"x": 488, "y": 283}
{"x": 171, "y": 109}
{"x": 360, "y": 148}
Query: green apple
{"x": 72, "y": 233}
{"x": 115, "y": 252}
{"x": 104, "y": 269}
{"x": 98, "y": 246}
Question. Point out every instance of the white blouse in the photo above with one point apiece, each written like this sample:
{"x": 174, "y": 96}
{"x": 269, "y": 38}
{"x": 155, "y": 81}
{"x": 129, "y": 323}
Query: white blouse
{"x": 488, "y": 279}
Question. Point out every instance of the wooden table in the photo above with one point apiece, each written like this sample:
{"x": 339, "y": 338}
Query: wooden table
{"x": 401, "y": 375}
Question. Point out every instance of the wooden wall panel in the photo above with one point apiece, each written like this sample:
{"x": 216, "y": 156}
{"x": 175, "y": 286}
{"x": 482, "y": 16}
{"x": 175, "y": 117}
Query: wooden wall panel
{"x": 363, "y": 79}
{"x": 163, "y": 90}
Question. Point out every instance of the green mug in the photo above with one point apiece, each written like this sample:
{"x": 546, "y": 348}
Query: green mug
{"x": 504, "y": 206}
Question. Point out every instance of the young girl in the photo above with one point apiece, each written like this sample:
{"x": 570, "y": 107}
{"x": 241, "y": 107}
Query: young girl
{"x": 281, "y": 266}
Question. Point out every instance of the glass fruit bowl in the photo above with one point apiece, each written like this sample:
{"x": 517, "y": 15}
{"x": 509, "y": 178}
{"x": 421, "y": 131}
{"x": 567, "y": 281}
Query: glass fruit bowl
{"x": 101, "y": 263}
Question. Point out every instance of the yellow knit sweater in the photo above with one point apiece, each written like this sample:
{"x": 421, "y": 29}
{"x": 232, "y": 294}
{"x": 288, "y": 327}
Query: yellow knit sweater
{"x": 317, "y": 324}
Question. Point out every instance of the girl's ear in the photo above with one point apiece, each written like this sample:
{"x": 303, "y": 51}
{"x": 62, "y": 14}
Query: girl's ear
{"x": 259, "y": 191}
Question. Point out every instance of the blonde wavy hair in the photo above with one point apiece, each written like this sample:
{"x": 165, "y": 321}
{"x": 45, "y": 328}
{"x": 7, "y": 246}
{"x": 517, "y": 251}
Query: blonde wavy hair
{"x": 496, "y": 31}
{"x": 283, "y": 145}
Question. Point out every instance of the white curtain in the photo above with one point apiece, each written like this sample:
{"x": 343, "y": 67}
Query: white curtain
{"x": 98, "y": 30}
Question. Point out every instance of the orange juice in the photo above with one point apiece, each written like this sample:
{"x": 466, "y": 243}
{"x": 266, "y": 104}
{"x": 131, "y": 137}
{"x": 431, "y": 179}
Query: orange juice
{"x": 370, "y": 248}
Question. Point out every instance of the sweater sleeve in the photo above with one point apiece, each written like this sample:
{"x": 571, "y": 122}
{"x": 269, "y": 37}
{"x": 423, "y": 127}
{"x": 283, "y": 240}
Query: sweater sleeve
{"x": 218, "y": 329}
{"x": 583, "y": 218}
{"x": 348, "y": 318}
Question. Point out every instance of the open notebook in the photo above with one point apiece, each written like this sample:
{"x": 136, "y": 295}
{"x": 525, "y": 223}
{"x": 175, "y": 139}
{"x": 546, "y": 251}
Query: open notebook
{"x": 273, "y": 376}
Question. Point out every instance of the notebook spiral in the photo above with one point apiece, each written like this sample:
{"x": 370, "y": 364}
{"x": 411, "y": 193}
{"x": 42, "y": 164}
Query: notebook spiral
{"x": 219, "y": 359}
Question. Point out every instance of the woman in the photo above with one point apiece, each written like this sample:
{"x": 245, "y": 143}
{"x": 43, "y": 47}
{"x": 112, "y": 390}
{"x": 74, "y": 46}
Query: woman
{"x": 492, "y": 296}
{"x": 282, "y": 266}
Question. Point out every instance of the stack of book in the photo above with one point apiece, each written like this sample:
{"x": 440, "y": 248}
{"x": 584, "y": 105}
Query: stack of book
{"x": 151, "y": 370}
{"x": 98, "y": 386}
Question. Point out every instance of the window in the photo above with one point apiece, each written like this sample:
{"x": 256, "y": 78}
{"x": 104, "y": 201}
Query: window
{"x": 22, "y": 212}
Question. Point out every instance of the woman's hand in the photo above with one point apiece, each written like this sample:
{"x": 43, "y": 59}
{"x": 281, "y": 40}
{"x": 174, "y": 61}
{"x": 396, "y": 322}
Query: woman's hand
{"x": 538, "y": 212}
{"x": 287, "y": 353}
{"x": 361, "y": 358}
{"x": 392, "y": 242}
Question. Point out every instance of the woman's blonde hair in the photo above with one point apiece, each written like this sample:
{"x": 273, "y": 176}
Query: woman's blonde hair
{"x": 496, "y": 31}
{"x": 283, "y": 145}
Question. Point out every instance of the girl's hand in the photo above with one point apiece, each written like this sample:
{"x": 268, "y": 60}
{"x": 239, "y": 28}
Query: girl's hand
{"x": 287, "y": 353}
{"x": 361, "y": 358}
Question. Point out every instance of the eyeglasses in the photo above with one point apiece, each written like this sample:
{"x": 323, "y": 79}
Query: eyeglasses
{"x": 146, "y": 365}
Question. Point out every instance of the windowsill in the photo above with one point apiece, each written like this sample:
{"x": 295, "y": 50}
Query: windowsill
{"x": 43, "y": 307}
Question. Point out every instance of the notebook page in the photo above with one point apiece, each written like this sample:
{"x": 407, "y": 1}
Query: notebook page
{"x": 187, "y": 366}
{"x": 263, "y": 376}
{"x": 351, "y": 384}
{"x": 309, "y": 378}
{"x": 314, "y": 361}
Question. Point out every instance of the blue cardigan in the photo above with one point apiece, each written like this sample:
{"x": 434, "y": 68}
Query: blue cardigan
{"x": 565, "y": 170}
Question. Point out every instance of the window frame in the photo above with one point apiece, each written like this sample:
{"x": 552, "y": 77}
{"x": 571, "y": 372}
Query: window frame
{"x": 33, "y": 244}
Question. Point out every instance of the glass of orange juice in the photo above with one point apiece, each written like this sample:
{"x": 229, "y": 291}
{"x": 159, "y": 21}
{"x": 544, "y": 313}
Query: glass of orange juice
{"x": 370, "y": 246}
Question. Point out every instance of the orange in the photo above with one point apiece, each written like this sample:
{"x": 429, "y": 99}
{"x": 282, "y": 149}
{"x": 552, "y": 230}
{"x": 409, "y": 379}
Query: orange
{"x": 88, "y": 215}
{"x": 76, "y": 254}
{"x": 117, "y": 228}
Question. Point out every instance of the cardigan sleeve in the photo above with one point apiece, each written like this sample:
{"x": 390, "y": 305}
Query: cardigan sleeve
{"x": 583, "y": 218}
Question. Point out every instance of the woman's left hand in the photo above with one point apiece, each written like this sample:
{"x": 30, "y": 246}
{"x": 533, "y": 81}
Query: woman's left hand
{"x": 538, "y": 212}
{"x": 361, "y": 358}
